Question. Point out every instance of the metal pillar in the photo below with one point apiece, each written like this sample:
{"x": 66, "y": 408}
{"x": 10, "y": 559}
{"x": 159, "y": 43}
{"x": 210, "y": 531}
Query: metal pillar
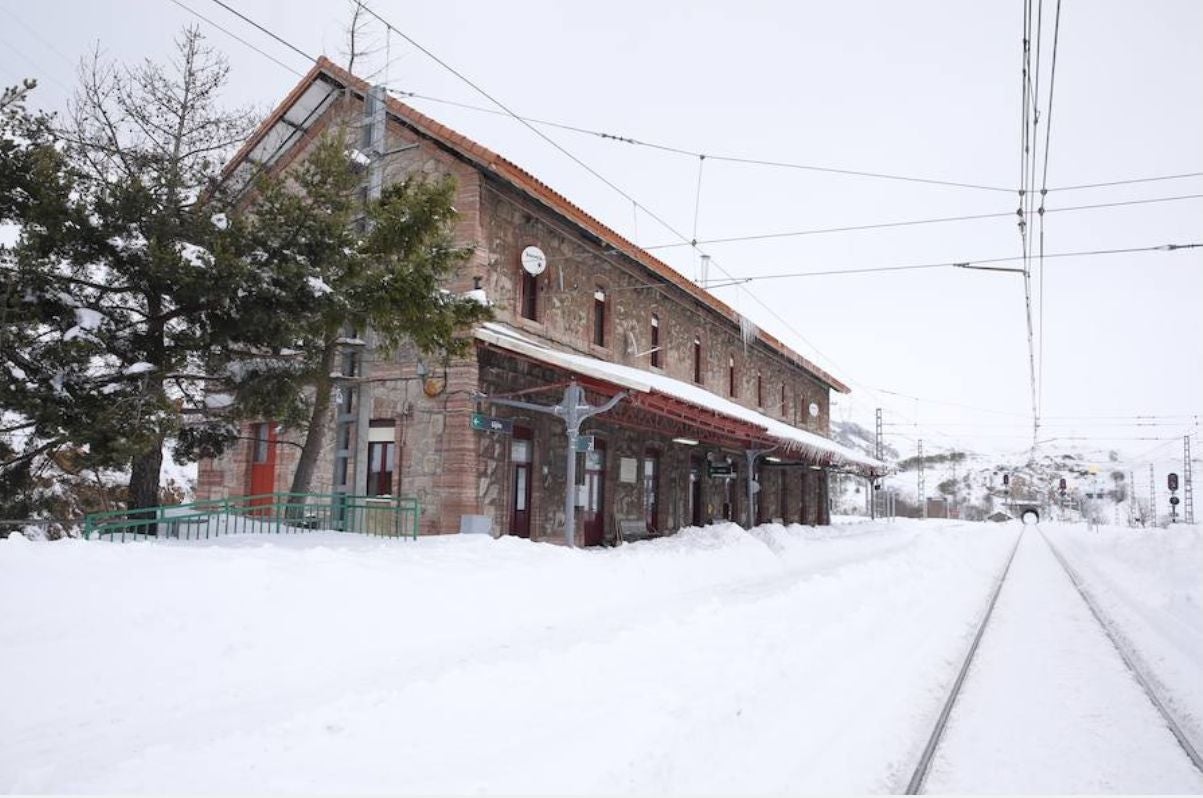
{"x": 1188, "y": 491}
{"x": 372, "y": 140}
{"x": 750, "y": 456}
{"x": 922, "y": 486}
{"x": 1152, "y": 496}
{"x": 1133, "y": 505}
{"x": 573, "y": 409}
{"x": 876, "y": 454}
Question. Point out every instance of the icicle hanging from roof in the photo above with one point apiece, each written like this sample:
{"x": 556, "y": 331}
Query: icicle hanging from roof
{"x": 747, "y": 330}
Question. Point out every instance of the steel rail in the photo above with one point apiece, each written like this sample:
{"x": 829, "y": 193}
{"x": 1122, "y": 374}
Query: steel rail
{"x": 915, "y": 785}
{"x": 1128, "y": 657}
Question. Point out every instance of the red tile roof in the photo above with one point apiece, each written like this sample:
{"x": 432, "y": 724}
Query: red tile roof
{"x": 528, "y": 183}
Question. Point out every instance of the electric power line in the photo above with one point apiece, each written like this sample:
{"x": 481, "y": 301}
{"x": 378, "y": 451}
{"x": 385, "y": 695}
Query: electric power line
{"x": 980, "y": 264}
{"x": 781, "y": 164}
{"x": 266, "y": 31}
{"x": 914, "y": 222}
{"x": 238, "y": 38}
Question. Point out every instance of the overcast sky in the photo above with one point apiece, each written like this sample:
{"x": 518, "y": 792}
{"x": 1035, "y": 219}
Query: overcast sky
{"x": 924, "y": 89}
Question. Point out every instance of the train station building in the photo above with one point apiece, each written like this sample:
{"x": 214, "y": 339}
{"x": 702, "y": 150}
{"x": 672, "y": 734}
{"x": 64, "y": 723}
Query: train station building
{"x": 716, "y": 419}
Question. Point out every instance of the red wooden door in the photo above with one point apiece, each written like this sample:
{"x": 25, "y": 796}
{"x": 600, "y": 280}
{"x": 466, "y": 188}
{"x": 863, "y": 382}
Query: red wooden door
{"x": 593, "y": 517}
{"x": 262, "y": 476}
{"x": 520, "y": 463}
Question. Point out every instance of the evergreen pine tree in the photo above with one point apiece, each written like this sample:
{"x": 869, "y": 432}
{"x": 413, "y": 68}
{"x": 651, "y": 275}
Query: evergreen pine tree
{"x": 379, "y": 265}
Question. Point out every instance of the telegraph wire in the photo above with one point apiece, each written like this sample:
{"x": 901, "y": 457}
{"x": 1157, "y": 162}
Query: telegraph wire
{"x": 978, "y": 264}
{"x": 262, "y": 29}
{"x": 635, "y": 204}
{"x": 638, "y": 142}
{"x": 767, "y": 162}
{"x": 656, "y": 217}
{"x": 235, "y": 36}
{"x": 1029, "y": 118}
{"x": 1048, "y": 132}
{"x": 914, "y": 222}
{"x": 1129, "y": 181}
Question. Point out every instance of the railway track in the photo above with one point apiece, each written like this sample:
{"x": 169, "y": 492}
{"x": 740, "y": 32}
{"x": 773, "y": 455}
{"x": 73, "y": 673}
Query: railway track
{"x": 920, "y": 774}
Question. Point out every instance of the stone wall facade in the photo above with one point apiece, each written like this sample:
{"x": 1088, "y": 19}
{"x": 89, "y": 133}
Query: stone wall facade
{"x": 455, "y": 471}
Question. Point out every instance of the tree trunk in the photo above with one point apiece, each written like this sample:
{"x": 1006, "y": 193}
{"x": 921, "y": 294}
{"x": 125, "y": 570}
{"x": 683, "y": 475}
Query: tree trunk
{"x": 323, "y": 387}
{"x": 144, "y": 484}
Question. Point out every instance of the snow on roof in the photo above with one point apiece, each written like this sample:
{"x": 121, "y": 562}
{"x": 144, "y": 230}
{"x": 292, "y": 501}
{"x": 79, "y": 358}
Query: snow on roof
{"x": 634, "y": 379}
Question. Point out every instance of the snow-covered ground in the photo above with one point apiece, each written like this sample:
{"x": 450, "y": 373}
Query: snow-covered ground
{"x": 716, "y": 660}
{"x": 1049, "y": 706}
{"x": 1148, "y": 583}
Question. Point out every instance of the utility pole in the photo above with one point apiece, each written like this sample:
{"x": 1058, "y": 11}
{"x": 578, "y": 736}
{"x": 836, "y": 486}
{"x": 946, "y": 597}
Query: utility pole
{"x": 574, "y": 410}
{"x": 1152, "y": 496}
{"x": 1188, "y": 491}
{"x": 1133, "y": 506}
{"x": 752, "y": 484}
{"x": 876, "y": 454}
{"x": 372, "y": 142}
{"x": 922, "y": 486}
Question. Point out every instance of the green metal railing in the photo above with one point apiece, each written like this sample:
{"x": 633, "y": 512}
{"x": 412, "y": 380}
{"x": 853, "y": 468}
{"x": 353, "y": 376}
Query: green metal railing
{"x": 265, "y": 513}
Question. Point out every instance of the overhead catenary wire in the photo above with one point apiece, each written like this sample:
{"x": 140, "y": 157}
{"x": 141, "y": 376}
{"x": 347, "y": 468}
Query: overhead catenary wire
{"x": 635, "y": 204}
{"x": 1029, "y": 118}
{"x": 266, "y": 31}
{"x": 238, "y": 38}
{"x": 975, "y": 264}
{"x": 915, "y": 222}
{"x": 1048, "y": 132}
{"x": 656, "y": 217}
{"x": 766, "y": 162}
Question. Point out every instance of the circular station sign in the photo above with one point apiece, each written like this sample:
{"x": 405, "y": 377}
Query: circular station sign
{"x": 814, "y": 410}
{"x": 533, "y": 261}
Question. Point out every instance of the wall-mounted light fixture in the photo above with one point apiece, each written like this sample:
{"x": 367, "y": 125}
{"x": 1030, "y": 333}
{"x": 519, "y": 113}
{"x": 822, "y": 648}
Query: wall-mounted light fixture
{"x": 685, "y": 441}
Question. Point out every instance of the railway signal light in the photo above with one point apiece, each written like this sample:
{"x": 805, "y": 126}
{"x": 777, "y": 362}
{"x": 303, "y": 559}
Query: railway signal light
{"x": 1172, "y": 479}
{"x": 1062, "y": 484}
{"x": 1006, "y": 480}
{"x": 1174, "y": 500}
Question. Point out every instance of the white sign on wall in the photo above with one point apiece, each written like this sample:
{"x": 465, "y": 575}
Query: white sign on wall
{"x": 626, "y": 469}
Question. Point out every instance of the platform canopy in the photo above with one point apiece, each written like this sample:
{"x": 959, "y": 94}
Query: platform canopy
{"x": 661, "y": 404}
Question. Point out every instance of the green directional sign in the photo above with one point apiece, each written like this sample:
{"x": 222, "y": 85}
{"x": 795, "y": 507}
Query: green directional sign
{"x": 584, "y": 443}
{"x": 485, "y": 423}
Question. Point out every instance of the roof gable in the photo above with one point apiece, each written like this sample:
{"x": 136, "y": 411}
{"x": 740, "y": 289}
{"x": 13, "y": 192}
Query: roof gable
{"x": 280, "y": 128}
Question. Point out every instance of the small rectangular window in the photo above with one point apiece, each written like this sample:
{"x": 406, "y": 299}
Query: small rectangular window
{"x": 697, "y": 360}
{"x": 599, "y": 316}
{"x": 731, "y": 377}
{"x": 530, "y": 296}
{"x": 655, "y": 340}
{"x": 262, "y": 441}
{"x": 759, "y": 391}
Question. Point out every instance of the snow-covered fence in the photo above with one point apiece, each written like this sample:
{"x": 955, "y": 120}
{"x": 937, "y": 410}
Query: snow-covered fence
{"x": 267, "y": 513}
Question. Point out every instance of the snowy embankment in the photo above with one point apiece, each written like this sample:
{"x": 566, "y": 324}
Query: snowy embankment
{"x": 715, "y": 660}
{"x": 1148, "y": 583}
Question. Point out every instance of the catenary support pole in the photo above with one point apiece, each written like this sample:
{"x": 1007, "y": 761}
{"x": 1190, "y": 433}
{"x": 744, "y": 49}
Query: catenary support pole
{"x": 574, "y": 410}
{"x": 753, "y": 487}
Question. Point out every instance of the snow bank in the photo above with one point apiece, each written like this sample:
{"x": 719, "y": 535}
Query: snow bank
{"x": 781, "y": 659}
